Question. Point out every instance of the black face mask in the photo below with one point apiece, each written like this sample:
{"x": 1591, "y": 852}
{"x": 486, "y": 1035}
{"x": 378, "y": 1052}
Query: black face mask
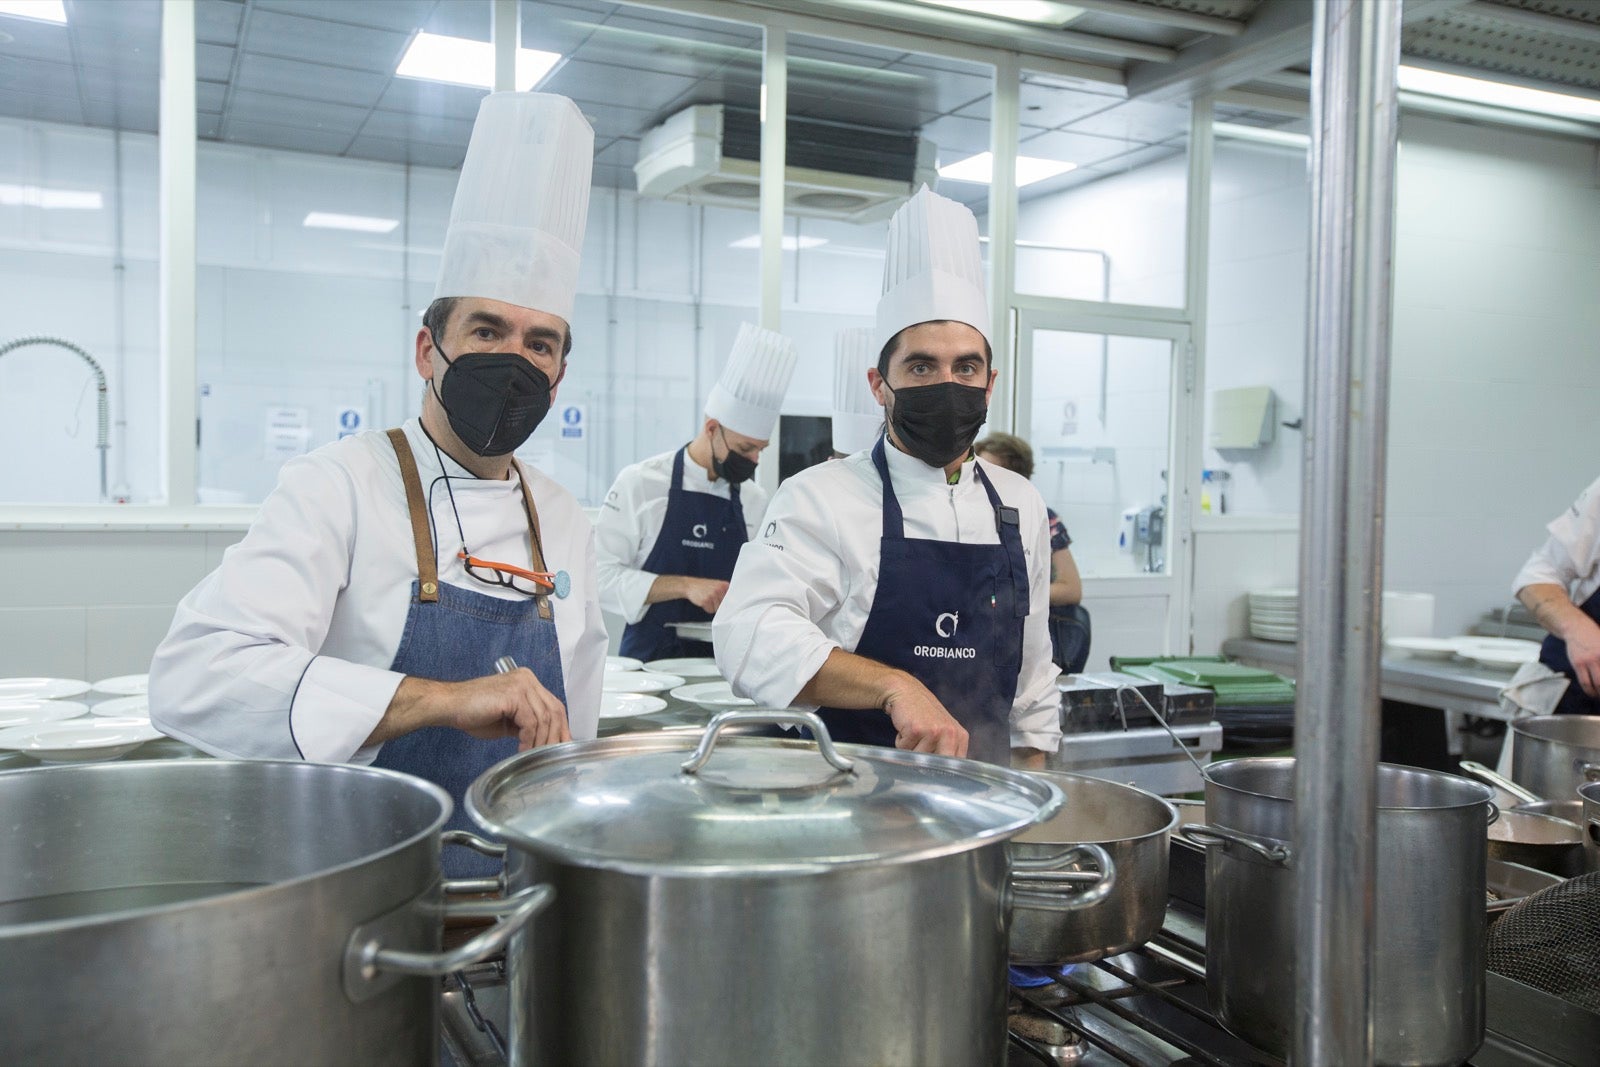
{"x": 937, "y": 423}
{"x": 494, "y": 400}
{"x": 734, "y": 467}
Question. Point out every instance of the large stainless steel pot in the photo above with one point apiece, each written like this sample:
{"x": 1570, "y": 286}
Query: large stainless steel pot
{"x": 1133, "y": 827}
{"x": 1554, "y": 754}
{"x": 1430, "y": 891}
{"x": 756, "y": 900}
{"x": 211, "y": 912}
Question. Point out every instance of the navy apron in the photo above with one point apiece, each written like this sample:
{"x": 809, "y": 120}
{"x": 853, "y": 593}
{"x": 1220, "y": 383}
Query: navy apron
{"x": 454, "y": 635}
{"x": 951, "y": 615}
{"x": 700, "y": 536}
{"x": 1554, "y": 655}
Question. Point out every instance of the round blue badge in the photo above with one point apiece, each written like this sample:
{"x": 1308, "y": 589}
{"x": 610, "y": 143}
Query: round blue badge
{"x": 563, "y": 584}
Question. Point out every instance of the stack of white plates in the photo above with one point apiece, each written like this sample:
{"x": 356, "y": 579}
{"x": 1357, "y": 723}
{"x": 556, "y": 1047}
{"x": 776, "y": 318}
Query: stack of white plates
{"x": 1275, "y": 614}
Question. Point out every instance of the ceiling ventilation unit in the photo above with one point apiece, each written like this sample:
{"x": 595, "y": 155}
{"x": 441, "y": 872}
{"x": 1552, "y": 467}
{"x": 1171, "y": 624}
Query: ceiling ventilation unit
{"x": 710, "y": 154}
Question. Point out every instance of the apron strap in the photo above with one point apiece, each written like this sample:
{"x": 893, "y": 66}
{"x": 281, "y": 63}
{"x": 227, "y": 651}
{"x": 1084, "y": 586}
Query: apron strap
{"x": 1008, "y": 524}
{"x": 533, "y": 531}
{"x": 894, "y": 520}
{"x": 427, "y": 564}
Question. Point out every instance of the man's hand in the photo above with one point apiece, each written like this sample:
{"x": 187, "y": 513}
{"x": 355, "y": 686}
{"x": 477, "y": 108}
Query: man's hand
{"x": 1583, "y": 649}
{"x": 705, "y": 593}
{"x": 921, "y": 723}
{"x": 515, "y": 704}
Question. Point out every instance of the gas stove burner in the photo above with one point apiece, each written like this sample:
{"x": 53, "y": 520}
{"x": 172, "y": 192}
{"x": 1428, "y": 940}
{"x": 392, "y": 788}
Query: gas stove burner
{"x": 1049, "y": 1038}
{"x": 1037, "y": 977}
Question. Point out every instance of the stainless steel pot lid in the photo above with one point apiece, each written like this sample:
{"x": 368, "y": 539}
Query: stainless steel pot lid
{"x": 715, "y": 804}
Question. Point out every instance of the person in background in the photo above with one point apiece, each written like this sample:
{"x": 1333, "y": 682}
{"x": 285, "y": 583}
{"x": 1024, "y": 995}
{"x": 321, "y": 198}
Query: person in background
{"x": 361, "y": 618}
{"x": 857, "y": 418}
{"x": 903, "y": 591}
{"x": 1069, "y": 622}
{"x": 671, "y": 526}
{"x": 1560, "y": 585}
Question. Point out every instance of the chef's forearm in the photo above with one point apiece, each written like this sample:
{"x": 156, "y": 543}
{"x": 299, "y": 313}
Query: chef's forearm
{"x": 1554, "y": 610}
{"x": 847, "y": 680}
{"x": 417, "y": 703}
{"x": 1027, "y": 759}
{"x": 667, "y": 587}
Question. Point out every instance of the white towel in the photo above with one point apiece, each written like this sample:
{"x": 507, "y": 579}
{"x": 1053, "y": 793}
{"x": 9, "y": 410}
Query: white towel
{"x": 1534, "y": 690}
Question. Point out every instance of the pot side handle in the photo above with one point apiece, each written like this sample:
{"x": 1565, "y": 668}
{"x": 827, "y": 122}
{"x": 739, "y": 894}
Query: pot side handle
{"x": 1590, "y": 772}
{"x": 370, "y": 968}
{"x": 1274, "y": 852}
{"x": 482, "y": 845}
{"x": 1044, "y": 885}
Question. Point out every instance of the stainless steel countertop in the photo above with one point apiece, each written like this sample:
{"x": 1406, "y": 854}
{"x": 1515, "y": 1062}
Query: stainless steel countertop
{"x": 1448, "y": 684}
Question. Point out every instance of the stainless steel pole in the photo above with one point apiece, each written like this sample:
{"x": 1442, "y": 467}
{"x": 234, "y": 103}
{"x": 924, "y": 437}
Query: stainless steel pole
{"x": 1355, "y": 114}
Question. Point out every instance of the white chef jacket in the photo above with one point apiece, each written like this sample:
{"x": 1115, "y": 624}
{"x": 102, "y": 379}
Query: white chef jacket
{"x": 630, "y": 522}
{"x": 283, "y": 652}
{"x": 1571, "y": 556}
{"x": 806, "y": 586}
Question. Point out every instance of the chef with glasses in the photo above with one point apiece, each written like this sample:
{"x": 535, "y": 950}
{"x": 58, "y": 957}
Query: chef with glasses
{"x": 362, "y": 617}
{"x": 903, "y": 591}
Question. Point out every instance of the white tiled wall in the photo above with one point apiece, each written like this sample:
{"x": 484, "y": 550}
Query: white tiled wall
{"x": 1227, "y": 566}
{"x": 95, "y": 604}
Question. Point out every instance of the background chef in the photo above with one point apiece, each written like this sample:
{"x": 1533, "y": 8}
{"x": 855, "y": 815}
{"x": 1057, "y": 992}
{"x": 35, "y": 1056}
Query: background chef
{"x": 672, "y": 525}
{"x": 1560, "y": 584}
{"x": 360, "y": 618}
{"x": 903, "y": 591}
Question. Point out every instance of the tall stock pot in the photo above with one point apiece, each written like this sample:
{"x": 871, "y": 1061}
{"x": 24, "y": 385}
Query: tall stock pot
{"x": 729, "y": 899}
{"x": 1430, "y": 915}
{"x": 212, "y": 912}
{"x": 1554, "y": 754}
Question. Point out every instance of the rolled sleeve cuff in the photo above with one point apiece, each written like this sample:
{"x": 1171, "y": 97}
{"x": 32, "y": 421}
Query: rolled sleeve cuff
{"x": 336, "y": 707}
{"x": 633, "y": 594}
{"x": 1039, "y": 727}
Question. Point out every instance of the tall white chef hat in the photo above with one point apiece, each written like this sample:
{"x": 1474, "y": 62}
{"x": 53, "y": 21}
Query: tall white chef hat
{"x": 934, "y": 269}
{"x": 747, "y": 397}
{"x": 857, "y": 415}
{"x": 516, "y": 226}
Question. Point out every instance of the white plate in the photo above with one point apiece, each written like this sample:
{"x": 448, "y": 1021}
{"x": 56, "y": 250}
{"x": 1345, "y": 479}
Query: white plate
{"x": 1499, "y": 644}
{"x": 638, "y": 682}
{"x": 623, "y": 664}
{"x": 124, "y": 685}
{"x": 692, "y": 631}
{"x": 1273, "y": 616}
{"x": 41, "y": 688}
{"x": 79, "y": 740}
{"x": 29, "y": 712}
{"x": 1499, "y": 659}
{"x": 135, "y": 707}
{"x": 688, "y": 667}
{"x": 1424, "y": 647}
{"x": 712, "y": 695}
{"x": 627, "y": 705}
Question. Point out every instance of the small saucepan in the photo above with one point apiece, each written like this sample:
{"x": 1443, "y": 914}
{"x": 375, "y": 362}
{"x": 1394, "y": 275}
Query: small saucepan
{"x": 1526, "y": 799}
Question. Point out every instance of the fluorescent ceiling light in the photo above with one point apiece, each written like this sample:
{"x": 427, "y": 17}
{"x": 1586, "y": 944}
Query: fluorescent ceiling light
{"x": 979, "y": 169}
{"x": 1498, "y": 94}
{"x": 1262, "y": 135}
{"x": 790, "y": 242}
{"x": 1041, "y": 12}
{"x": 35, "y": 196}
{"x": 457, "y": 61}
{"x": 329, "y": 220}
{"x": 42, "y": 10}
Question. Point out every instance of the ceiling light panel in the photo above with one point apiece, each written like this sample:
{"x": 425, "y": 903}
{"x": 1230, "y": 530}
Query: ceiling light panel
{"x": 979, "y": 169}
{"x": 458, "y": 61}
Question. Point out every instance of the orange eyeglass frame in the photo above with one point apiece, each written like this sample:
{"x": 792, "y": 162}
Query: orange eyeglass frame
{"x": 544, "y": 578}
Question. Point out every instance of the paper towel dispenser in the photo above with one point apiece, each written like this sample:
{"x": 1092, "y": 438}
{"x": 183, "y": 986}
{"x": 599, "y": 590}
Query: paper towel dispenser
{"x": 1243, "y": 418}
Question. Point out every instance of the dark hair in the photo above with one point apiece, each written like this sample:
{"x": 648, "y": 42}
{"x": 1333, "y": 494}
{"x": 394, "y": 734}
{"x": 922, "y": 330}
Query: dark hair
{"x": 1011, "y": 451}
{"x": 883, "y": 357}
{"x": 437, "y": 317}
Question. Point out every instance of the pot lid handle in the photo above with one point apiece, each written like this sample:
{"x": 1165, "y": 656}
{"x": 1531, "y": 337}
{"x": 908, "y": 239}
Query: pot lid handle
{"x": 775, "y": 716}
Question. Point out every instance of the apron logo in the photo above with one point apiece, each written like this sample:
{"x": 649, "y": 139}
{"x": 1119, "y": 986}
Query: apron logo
{"x": 698, "y": 538}
{"x": 700, "y": 531}
{"x": 939, "y": 623}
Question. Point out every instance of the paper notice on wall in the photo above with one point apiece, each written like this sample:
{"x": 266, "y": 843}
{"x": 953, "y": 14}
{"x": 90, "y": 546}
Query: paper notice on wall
{"x": 288, "y": 433}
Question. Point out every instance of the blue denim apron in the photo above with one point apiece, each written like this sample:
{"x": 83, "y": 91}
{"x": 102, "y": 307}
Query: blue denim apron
{"x": 454, "y": 635}
{"x": 1553, "y": 654}
{"x": 951, "y": 615}
{"x": 700, "y": 536}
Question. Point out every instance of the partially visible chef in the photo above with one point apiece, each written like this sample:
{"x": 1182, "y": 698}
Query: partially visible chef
{"x": 361, "y": 617}
{"x": 857, "y": 419}
{"x": 672, "y": 525}
{"x": 1560, "y": 585}
{"x": 903, "y": 591}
